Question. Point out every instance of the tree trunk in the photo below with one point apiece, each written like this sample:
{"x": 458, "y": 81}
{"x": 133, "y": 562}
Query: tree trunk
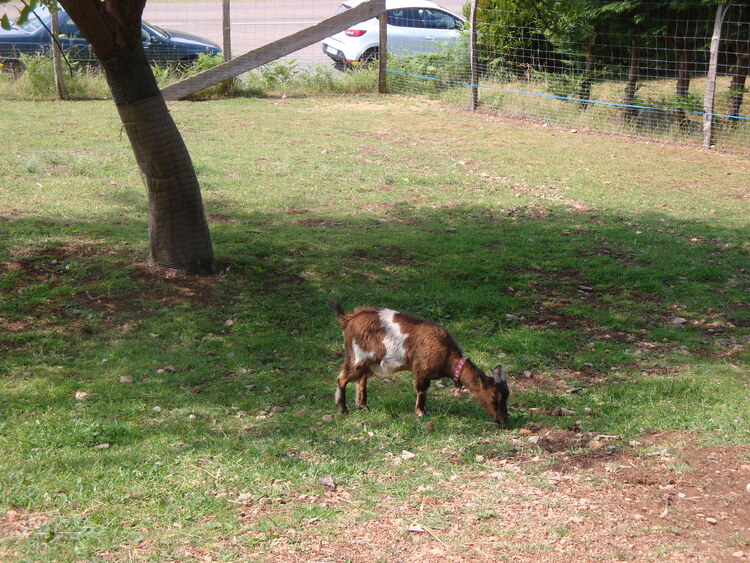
{"x": 584, "y": 92}
{"x": 681, "y": 49}
{"x": 681, "y": 46}
{"x": 629, "y": 113}
{"x": 178, "y": 230}
{"x": 739, "y": 74}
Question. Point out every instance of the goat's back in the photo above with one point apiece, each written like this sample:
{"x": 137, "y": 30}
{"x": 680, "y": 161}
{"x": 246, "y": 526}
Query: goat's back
{"x": 395, "y": 337}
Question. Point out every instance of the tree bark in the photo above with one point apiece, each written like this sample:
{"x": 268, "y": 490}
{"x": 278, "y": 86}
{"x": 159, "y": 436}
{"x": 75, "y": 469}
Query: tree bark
{"x": 682, "y": 53}
{"x": 739, "y": 74}
{"x": 584, "y": 92}
{"x": 178, "y": 230}
{"x": 631, "y": 88}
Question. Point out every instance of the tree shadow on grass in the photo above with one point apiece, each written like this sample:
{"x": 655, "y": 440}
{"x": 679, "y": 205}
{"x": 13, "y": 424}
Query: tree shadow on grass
{"x": 245, "y": 361}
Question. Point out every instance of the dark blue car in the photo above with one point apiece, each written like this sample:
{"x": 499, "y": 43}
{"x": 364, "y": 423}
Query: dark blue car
{"x": 162, "y": 46}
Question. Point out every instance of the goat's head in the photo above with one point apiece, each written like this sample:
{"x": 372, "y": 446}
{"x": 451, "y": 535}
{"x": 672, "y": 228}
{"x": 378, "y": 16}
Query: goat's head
{"x": 493, "y": 397}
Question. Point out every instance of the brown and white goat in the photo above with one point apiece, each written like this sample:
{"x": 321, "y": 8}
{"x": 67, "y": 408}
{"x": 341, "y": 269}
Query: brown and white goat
{"x": 384, "y": 341}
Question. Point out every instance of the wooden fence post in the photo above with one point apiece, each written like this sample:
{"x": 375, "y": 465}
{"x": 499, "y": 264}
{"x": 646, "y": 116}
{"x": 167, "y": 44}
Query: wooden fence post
{"x": 274, "y": 50}
{"x": 226, "y": 28}
{"x": 383, "y": 54}
{"x": 57, "y": 57}
{"x": 474, "y": 95}
{"x": 708, "y": 97}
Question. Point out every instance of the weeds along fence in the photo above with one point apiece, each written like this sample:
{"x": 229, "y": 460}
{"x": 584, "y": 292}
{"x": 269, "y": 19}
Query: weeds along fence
{"x": 632, "y": 67}
{"x": 659, "y": 69}
{"x": 645, "y": 70}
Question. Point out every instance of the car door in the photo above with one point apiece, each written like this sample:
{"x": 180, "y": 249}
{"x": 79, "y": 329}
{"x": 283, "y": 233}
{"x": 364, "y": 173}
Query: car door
{"x": 441, "y": 29}
{"x": 405, "y": 31}
{"x": 421, "y": 30}
{"x": 72, "y": 42}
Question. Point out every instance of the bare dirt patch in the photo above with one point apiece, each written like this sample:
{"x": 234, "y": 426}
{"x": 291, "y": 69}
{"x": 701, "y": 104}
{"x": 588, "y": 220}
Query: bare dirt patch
{"x": 15, "y": 524}
{"x": 668, "y": 499}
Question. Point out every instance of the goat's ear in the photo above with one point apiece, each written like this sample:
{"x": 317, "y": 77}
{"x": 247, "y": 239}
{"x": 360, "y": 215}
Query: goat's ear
{"x": 498, "y": 374}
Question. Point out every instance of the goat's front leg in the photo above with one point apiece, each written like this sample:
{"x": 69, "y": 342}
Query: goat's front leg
{"x": 362, "y": 393}
{"x": 421, "y": 384}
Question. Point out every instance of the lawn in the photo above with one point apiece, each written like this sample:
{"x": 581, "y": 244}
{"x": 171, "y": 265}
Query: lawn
{"x": 154, "y": 416}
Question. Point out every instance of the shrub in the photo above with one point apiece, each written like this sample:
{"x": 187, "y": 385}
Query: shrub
{"x": 39, "y": 74}
{"x": 432, "y": 72}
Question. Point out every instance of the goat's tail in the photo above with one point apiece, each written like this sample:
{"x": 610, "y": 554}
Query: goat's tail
{"x": 340, "y": 313}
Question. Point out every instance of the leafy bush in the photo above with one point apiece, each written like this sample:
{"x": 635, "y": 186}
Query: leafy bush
{"x": 39, "y": 74}
{"x": 510, "y": 39}
{"x": 37, "y": 80}
{"x": 432, "y": 72}
{"x": 203, "y": 62}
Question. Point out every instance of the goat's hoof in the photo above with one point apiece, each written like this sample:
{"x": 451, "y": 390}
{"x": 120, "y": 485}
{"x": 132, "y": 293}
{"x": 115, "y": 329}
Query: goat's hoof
{"x": 343, "y": 410}
{"x": 363, "y": 407}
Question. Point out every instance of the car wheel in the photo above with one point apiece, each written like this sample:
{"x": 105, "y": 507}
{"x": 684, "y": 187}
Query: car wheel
{"x": 369, "y": 57}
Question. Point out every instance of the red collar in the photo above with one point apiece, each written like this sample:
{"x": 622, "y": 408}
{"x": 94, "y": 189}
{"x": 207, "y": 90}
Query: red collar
{"x": 457, "y": 373}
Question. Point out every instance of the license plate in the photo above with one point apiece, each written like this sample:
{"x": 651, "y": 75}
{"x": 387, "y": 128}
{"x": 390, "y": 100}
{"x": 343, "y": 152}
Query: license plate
{"x": 331, "y": 50}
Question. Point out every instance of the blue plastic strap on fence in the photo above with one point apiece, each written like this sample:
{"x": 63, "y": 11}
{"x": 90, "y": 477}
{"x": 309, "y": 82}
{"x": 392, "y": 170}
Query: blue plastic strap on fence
{"x": 553, "y": 96}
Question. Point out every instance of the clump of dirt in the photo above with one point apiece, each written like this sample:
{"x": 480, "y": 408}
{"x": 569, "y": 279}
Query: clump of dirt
{"x": 559, "y": 440}
{"x": 15, "y": 524}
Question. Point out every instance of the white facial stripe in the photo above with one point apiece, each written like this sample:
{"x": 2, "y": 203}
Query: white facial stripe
{"x": 360, "y": 356}
{"x": 395, "y": 355}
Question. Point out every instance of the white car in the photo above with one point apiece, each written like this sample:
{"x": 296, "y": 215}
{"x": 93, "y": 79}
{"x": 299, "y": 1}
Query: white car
{"x": 414, "y": 26}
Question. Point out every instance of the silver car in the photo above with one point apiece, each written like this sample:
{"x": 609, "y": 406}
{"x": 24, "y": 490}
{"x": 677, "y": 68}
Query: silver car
{"x": 414, "y": 26}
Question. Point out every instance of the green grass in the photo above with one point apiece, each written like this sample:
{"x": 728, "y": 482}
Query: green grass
{"x": 231, "y": 399}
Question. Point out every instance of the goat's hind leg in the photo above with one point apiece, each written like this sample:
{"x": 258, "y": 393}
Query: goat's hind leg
{"x": 341, "y": 382}
{"x": 348, "y": 374}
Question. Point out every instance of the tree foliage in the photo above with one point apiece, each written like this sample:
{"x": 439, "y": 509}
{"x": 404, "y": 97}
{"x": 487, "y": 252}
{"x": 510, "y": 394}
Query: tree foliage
{"x": 554, "y": 34}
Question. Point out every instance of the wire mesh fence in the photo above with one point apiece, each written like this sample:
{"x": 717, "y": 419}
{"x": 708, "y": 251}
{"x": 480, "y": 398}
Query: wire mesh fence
{"x": 632, "y": 67}
{"x": 644, "y": 70}
{"x": 623, "y": 66}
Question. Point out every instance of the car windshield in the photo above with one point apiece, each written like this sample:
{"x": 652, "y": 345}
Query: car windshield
{"x": 36, "y": 19}
{"x": 156, "y": 30}
{"x": 42, "y": 19}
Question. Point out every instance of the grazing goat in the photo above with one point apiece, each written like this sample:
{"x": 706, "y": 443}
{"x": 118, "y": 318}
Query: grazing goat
{"x": 385, "y": 341}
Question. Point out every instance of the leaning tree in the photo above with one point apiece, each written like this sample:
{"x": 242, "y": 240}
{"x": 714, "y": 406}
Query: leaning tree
{"x": 178, "y": 231}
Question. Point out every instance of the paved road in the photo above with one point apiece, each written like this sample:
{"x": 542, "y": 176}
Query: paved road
{"x": 254, "y": 23}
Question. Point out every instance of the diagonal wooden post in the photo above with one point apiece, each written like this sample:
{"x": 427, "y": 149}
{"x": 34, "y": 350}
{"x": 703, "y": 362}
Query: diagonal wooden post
{"x": 274, "y": 50}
